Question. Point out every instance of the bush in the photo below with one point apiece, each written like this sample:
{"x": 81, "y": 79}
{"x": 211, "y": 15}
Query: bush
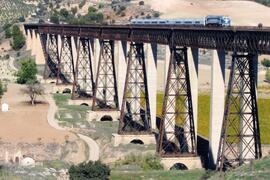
{"x": 148, "y": 16}
{"x": 8, "y": 33}
{"x": 18, "y": 38}
{"x": 156, "y": 14}
{"x": 266, "y": 63}
{"x": 27, "y": 72}
{"x": 267, "y": 75}
{"x": 146, "y": 162}
{"x": 90, "y": 170}
{"x": 54, "y": 18}
{"x": 92, "y": 9}
{"x": 21, "y": 19}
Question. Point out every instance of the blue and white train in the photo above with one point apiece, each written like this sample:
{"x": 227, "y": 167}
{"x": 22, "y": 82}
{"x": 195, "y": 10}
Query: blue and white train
{"x": 221, "y": 21}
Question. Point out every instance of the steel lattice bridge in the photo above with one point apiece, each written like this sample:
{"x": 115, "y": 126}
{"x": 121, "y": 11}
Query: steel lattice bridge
{"x": 116, "y": 67}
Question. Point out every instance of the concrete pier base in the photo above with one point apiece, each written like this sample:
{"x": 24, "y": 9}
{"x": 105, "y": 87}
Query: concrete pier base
{"x": 61, "y": 88}
{"x": 47, "y": 81}
{"x": 127, "y": 139}
{"x": 189, "y": 162}
{"x": 81, "y": 102}
{"x": 98, "y": 115}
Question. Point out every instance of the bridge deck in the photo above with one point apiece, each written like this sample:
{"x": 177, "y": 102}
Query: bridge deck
{"x": 235, "y": 38}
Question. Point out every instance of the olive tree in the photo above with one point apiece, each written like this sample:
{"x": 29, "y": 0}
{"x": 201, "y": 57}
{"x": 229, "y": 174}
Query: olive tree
{"x": 33, "y": 89}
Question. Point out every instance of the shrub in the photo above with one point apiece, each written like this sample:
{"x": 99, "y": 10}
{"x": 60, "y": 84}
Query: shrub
{"x": 1, "y": 89}
{"x": 148, "y": 16}
{"x": 54, "y": 18}
{"x": 8, "y": 33}
{"x": 156, "y": 14}
{"x": 27, "y": 72}
{"x": 92, "y": 9}
{"x": 267, "y": 75}
{"x": 21, "y": 19}
{"x": 146, "y": 162}
{"x": 90, "y": 170}
{"x": 64, "y": 13}
{"x": 266, "y": 63}
{"x": 18, "y": 38}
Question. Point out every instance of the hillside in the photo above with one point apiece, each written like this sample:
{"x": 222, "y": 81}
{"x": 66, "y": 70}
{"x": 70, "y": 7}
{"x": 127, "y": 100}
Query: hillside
{"x": 241, "y": 12}
{"x": 11, "y": 10}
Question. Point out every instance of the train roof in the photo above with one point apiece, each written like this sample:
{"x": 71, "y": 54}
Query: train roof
{"x": 176, "y": 19}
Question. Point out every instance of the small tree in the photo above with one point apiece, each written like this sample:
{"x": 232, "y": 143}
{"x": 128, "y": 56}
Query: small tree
{"x": 34, "y": 89}
{"x": 266, "y": 63}
{"x": 54, "y": 18}
{"x": 141, "y": 3}
{"x": 267, "y": 75}
{"x": 27, "y": 72}
{"x": 90, "y": 170}
{"x": 8, "y": 33}
{"x": 18, "y": 38}
{"x": 1, "y": 91}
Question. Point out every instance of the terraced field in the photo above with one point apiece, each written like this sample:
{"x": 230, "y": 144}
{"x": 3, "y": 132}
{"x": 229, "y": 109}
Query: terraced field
{"x": 12, "y": 9}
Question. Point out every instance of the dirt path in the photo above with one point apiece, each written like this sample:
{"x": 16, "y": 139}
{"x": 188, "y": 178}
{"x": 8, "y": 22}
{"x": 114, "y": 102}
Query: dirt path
{"x": 93, "y": 147}
{"x": 26, "y": 123}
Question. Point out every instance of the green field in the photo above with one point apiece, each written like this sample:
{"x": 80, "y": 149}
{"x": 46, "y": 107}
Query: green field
{"x": 204, "y": 116}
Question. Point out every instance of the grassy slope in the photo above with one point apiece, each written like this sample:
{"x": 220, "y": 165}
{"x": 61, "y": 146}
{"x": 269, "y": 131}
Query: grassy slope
{"x": 157, "y": 175}
{"x": 204, "y": 116}
{"x": 259, "y": 169}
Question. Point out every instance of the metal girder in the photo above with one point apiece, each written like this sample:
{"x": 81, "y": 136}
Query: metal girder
{"x": 66, "y": 63}
{"x": 135, "y": 111}
{"x": 83, "y": 86}
{"x": 241, "y": 39}
{"x": 105, "y": 94}
{"x": 177, "y": 132}
{"x": 240, "y": 135}
{"x": 52, "y": 55}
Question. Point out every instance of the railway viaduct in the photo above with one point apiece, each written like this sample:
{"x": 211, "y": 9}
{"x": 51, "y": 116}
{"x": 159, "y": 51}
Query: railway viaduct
{"x": 115, "y": 67}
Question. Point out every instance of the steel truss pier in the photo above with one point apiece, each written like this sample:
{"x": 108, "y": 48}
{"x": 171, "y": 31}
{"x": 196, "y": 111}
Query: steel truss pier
{"x": 105, "y": 94}
{"x": 66, "y": 63}
{"x": 83, "y": 85}
{"x": 135, "y": 111}
{"x": 50, "y": 47}
{"x": 177, "y": 134}
{"x": 240, "y": 135}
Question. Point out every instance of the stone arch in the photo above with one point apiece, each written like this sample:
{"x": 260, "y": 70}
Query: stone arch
{"x": 67, "y": 91}
{"x": 106, "y": 118}
{"x": 136, "y": 141}
{"x": 179, "y": 166}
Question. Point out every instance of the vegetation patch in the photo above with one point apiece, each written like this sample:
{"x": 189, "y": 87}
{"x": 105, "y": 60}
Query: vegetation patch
{"x": 70, "y": 115}
{"x": 90, "y": 170}
{"x": 147, "y": 162}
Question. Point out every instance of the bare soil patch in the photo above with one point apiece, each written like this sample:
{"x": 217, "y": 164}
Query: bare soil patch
{"x": 242, "y": 12}
{"x": 26, "y": 123}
